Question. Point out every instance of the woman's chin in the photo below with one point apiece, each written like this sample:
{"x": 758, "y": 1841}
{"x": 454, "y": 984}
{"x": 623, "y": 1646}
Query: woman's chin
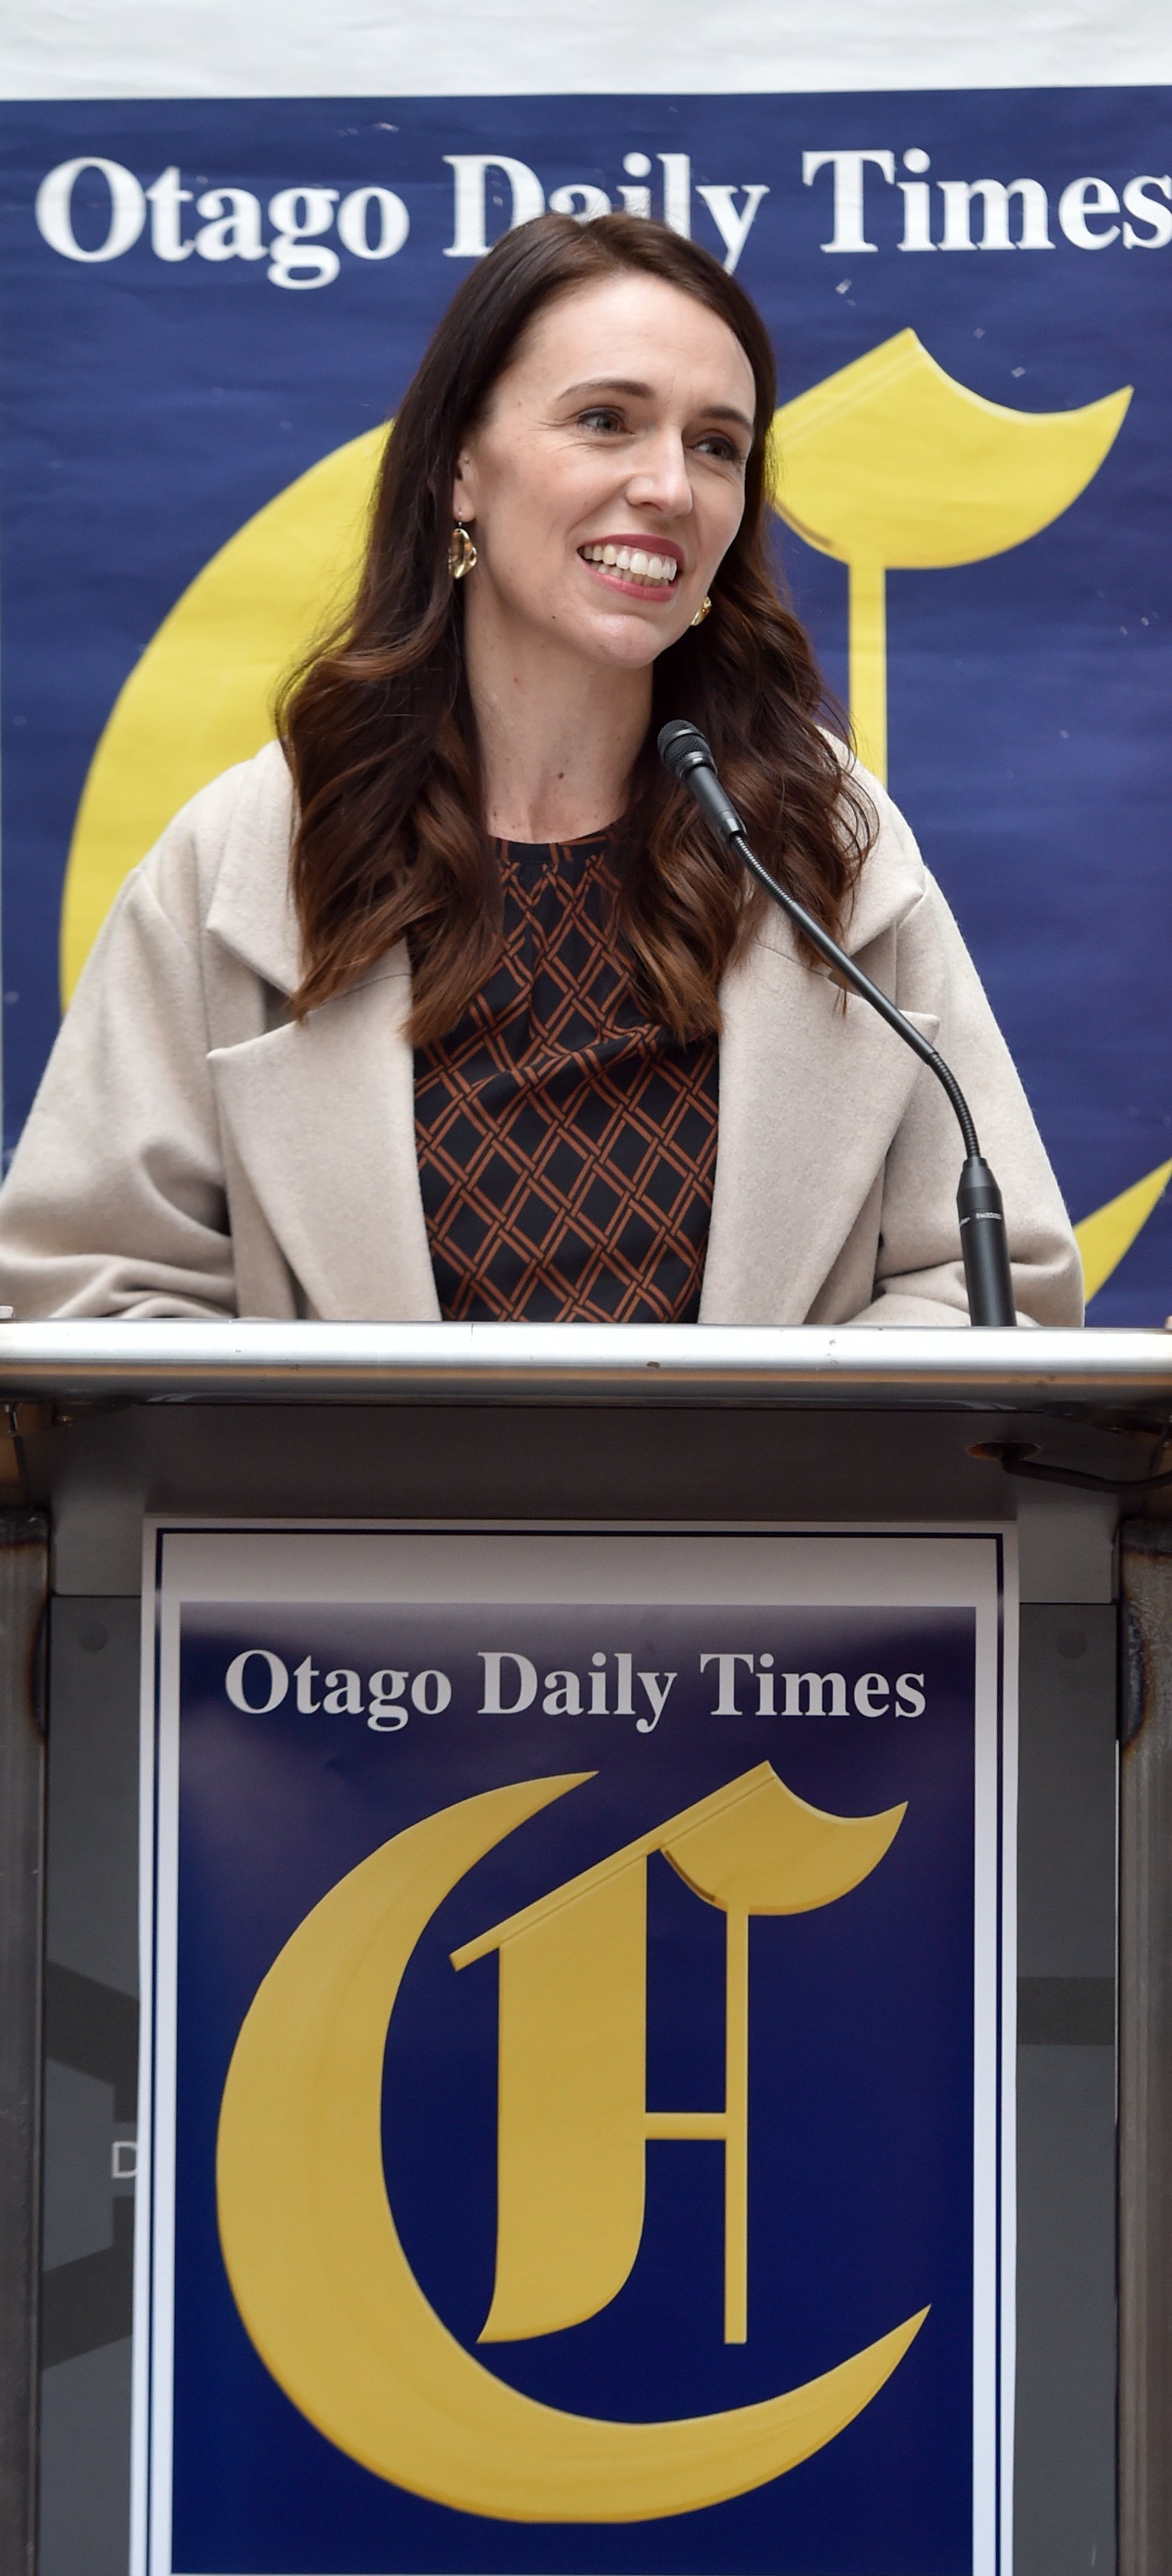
{"x": 628, "y": 643}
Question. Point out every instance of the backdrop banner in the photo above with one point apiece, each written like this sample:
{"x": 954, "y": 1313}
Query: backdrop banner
{"x": 578, "y": 2089}
{"x": 210, "y": 307}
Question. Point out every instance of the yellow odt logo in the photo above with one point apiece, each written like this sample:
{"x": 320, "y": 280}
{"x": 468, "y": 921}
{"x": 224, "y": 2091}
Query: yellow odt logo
{"x": 309, "y": 2238}
{"x": 890, "y": 465}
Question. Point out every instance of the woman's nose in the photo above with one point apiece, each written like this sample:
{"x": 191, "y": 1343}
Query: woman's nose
{"x": 661, "y": 480}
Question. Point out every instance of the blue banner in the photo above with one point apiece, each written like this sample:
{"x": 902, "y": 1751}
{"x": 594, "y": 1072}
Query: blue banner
{"x": 576, "y": 2078}
{"x": 206, "y": 303}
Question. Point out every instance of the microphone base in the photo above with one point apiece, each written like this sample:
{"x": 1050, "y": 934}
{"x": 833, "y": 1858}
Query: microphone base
{"x": 985, "y": 1246}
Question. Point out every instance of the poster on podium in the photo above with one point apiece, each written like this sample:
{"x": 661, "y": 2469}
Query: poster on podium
{"x": 578, "y": 2102}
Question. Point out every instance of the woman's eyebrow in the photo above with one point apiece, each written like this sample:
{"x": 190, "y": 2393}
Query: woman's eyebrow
{"x": 645, "y": 393}
{"x": 728, "y": 411}
{"x": 610, "y": 385}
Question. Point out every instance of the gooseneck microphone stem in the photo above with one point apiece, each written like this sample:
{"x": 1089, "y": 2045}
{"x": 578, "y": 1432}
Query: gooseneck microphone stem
{"x": 853, "y": 975}
{"x": 988, "y": 1282}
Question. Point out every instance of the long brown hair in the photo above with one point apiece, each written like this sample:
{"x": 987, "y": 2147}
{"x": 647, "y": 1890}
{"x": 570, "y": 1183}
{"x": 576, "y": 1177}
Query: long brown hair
{"x": 378, "y": 725}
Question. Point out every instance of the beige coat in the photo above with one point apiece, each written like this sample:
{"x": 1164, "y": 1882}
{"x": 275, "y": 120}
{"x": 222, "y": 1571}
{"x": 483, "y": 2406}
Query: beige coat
{"x": 193, "y": 1151}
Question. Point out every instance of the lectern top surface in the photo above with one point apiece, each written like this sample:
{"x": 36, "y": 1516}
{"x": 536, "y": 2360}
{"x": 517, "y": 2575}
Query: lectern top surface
{"x": 172, "y": 1360}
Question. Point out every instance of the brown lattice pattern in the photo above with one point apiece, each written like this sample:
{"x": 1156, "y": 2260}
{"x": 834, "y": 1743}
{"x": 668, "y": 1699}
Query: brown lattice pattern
{"x": 566, "y": 1145}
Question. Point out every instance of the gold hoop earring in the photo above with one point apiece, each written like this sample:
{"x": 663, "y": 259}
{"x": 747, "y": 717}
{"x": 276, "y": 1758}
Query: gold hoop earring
{"x": 702, "y": 611}
{"x": 461, "y": 552}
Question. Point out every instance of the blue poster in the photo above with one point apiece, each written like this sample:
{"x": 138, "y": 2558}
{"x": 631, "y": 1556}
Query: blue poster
{"x": 211, "y": 306}
{"x": 580, "y": 2135}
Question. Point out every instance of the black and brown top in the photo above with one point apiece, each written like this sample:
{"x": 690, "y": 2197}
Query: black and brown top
{"x": 567, "y": 1145}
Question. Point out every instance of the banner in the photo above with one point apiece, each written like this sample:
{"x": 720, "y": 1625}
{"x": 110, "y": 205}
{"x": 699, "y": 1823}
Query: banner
{"x": 578, "y": 2090}
{"x": 211, "y": 306}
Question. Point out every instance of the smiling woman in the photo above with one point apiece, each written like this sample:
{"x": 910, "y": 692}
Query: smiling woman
{"x": 448, "y": 1004}
{"x": 590, "y": 386}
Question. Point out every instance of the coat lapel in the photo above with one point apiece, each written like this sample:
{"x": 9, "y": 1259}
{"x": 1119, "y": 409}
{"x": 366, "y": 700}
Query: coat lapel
{"x": 812, "y": 1090}
{"x": 321, "y": 1114}
{"x": 250, "y": 909}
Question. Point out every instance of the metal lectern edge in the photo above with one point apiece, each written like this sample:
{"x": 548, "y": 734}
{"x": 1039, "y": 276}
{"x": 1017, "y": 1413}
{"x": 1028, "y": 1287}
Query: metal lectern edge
{"x": 582, "y": 1363}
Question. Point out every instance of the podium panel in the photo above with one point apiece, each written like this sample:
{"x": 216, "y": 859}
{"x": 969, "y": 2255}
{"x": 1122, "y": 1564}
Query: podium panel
{"x": 726, "y": 1440}
{"x": 578, "y": 2112}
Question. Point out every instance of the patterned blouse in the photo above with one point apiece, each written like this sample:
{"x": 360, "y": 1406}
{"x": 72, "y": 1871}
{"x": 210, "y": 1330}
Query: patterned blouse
{"x": 566, "y": 1144}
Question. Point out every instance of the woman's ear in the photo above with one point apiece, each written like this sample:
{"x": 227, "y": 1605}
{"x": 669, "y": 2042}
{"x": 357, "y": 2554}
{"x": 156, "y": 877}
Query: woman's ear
{"x": 464, "y": 489}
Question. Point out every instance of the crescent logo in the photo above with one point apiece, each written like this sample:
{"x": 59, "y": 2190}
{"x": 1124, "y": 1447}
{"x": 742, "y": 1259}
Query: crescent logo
{"x": 309, "y": 2239}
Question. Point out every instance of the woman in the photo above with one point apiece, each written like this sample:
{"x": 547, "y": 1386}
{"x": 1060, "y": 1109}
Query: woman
{"x": 450, "y": 1004}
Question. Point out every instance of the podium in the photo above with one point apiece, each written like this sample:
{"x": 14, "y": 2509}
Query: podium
{"x": 708, "y": 1432}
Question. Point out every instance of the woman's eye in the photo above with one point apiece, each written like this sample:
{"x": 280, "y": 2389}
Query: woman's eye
{"x": 600, "y": 418}
{"x": 724, "y": 448}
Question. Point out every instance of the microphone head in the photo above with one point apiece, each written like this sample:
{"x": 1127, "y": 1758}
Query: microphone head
{"x": 682, "y": 748}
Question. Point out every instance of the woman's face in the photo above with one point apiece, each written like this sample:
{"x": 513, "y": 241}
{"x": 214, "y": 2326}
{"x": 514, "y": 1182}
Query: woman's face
{"x": 606, "y": 481}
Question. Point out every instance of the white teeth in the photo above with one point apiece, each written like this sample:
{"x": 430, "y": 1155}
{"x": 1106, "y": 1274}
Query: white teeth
{"x": 634, "y": 560}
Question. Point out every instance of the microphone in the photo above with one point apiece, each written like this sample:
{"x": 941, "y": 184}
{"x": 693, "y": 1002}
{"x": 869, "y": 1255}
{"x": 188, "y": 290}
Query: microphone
{"x": 988, "y": 1283}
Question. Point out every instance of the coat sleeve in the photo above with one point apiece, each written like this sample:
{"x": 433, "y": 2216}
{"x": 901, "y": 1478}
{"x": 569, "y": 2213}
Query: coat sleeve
{"x": 115, "y": 1202}
{"x": 919, "y": 1275}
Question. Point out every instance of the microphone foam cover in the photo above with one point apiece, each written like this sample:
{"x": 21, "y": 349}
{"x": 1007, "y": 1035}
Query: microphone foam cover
{"x": 681, "y": 743}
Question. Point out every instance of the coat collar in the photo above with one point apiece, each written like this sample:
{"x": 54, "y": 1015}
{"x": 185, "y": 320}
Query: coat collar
{"x": 251, "y": 909}
{"x": 320, "y": 1111}
{"x": 813, "y": 1087}
{"x": 893, "y": 877}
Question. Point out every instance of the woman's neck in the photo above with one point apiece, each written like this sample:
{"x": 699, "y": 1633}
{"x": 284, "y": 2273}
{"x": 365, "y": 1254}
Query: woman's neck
{"x": 558, "y": 736}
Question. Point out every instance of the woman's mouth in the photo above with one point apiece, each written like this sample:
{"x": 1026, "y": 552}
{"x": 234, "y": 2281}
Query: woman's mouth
{"x": 638, "y": 568}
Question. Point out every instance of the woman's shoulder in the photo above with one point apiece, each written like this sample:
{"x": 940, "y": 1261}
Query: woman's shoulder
{"x": 246, "y": 812}
{"x": 893, "y": 879}
{"x": 222, "y": 866}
